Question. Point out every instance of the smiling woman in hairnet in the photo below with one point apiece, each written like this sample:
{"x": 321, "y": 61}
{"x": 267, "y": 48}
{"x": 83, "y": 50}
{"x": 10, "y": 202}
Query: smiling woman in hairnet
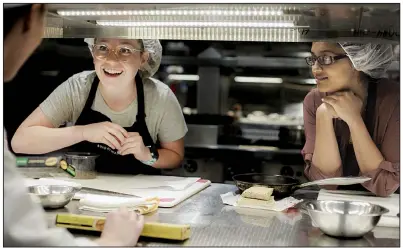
{"x": 119, "y": 112}
{"x": 352, "y": 118}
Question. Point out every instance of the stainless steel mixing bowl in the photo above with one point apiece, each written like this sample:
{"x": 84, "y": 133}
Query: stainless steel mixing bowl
{"x": 348, "y": 219}
{"x": 53, "y": 196}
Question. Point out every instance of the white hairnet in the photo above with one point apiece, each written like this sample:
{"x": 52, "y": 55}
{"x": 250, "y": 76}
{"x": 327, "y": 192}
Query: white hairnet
{"x": 153, "y": 47}
{"x": 372, "y": 59}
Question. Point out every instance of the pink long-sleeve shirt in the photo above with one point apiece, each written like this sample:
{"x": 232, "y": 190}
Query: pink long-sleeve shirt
{"x": 386, "y": 178}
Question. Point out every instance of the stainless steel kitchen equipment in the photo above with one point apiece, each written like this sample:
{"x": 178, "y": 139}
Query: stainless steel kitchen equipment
{"x": 202, "y": 134}
{"x": 264, "y": 23}
{"x": 214, "y": 224}
{"x": 52, "y": 196}
{"x": 347, "y": 219}
{"x": 284, "y": 186}
{"x": 233, "y": 22}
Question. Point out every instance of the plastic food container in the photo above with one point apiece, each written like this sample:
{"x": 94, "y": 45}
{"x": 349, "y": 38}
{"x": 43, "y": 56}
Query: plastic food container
{"x": 80, "y": 165}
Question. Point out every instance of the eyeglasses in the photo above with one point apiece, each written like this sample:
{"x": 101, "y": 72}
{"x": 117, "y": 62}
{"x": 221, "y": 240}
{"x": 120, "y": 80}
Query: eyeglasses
{"x": 123, "y": 53}
{"x": 324, "y": 60}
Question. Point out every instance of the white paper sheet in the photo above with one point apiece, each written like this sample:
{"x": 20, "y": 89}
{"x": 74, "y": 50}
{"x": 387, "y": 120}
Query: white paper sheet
{"x": 167, "y": 188}
{"x": 117, "y": 182}
{"x": 104, "y": 203}
{"x": 231, "y": 199}
{"x": 175, "y": 183}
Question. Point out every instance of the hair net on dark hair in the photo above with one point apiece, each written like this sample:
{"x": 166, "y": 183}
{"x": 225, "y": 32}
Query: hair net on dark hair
{"x": 372, "y": 59}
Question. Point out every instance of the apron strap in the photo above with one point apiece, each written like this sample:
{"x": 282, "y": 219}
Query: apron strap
{"x": 141, "y": 114}
{"x": 140, "y": 97}
{"x": 91, "y": 96}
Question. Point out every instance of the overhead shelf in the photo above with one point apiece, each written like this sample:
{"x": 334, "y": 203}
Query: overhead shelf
{"x": 239, "y": 61}
{"x": 227, "y": 22}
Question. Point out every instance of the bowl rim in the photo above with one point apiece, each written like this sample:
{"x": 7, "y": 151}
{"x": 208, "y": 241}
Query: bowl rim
{"x": 74, "y": 189}
{"x": 382, "y": 212}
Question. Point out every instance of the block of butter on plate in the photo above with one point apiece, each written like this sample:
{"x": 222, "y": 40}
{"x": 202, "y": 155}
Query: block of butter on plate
{"x": 244, "y": 202}
{"x": 258, "y": 193}
{"x": 257, "y": 196}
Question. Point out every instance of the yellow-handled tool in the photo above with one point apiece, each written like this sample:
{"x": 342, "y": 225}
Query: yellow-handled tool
{"x": 151, "y": 229}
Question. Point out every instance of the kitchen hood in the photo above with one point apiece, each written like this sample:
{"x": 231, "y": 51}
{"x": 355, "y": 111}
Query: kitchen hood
{"x": 227, "y": 22}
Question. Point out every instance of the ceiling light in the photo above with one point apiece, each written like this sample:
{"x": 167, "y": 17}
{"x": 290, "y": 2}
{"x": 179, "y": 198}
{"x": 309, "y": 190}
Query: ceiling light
{"x": 195, "y": 24}
{"x": 183, "y": 77}
{"x": 262, "y": 80}
{"x": 309, "y": 81}
{"x": 172, "y": 12}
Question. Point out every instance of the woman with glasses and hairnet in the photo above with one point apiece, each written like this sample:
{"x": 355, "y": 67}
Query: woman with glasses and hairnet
{"x": 118, "y": 111}
{"x": 352, "y": 118}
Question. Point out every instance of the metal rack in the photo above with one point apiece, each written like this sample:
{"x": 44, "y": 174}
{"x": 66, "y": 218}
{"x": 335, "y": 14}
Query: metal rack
{"x": 231, "y": 22}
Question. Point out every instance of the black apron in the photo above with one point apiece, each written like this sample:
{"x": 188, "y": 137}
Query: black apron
{"x": 349, "y": 160}
{"x": 109, "y": 161}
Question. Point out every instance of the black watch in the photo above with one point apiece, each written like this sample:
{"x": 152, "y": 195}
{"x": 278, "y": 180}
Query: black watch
{"x": 154, "y": 152}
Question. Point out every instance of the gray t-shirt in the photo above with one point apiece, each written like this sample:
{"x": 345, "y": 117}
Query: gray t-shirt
{"x": 164, "y": 117}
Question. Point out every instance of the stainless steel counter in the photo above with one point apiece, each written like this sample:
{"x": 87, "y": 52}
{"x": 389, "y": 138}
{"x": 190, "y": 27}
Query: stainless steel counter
{"x": 215, "y": 224}
{"x": 254, "y": 149}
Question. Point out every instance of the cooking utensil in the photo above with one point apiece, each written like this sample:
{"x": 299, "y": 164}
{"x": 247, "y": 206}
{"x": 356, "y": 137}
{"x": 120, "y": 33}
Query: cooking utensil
{"x": 291, "y": 135}
{"x": 284, "y": 186}
{"x": 80, "y": 165}
{"x": 349, "y": 219}
{"x": 52, "y": 196}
